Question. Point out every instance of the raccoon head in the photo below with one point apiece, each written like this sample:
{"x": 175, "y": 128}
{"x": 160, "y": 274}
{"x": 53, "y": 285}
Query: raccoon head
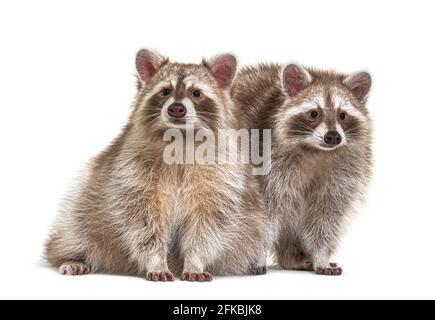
{"x": 323, "y": 110}
{"x": 173, "y": 95}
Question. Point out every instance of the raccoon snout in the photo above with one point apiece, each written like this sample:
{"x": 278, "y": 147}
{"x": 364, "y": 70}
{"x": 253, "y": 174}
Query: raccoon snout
{"x": 332, "y": 138}
{"x": 177, "y": 110}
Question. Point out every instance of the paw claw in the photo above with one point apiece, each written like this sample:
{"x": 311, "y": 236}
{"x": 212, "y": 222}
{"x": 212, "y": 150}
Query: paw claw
{"x": 331, "y": 271}
{"x": 259, "y": 270}
{"x": 307, "y": 266}
{"x": 74, "y": 269}
{"x": 160, "y": 276}
{"x": 197, "y": 277}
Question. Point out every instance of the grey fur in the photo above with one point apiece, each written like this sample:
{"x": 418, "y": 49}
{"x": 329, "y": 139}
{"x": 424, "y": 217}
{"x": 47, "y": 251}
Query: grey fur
{"x": 309, "y": 192}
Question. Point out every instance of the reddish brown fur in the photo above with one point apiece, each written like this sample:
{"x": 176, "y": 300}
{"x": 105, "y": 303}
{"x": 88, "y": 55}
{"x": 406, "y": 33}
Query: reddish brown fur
{"x": 132, "y": 211}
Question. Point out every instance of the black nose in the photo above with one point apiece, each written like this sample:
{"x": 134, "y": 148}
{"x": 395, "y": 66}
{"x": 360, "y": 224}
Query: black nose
{"x": 332, "y": 138}
{"x": 177, "y": 110}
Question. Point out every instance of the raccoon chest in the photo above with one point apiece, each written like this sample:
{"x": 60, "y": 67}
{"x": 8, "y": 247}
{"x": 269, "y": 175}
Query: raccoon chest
{"x": 284, "y": 192}
{"x": 170, "y": 194}
{"x": 290, "y": 189}
{"x": 183, "y": 190}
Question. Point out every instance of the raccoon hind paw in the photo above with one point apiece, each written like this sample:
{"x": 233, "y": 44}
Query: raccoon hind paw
{"x": 74, "y": 268}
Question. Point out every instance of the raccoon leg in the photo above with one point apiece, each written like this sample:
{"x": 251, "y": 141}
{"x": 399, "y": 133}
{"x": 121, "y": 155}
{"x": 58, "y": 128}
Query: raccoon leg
{"x": 260, "y": 267}
{"x": 157, "y": 267}
{"x": 290, "y": 255}
{"x": 195, "y": 261}
{"x": 200, "y": 247}
{"x": 67, "y": 252}
{"x": 151, "y": 256}
{"x": 321, "y": 264}
{"x": 146, "y": 238}
{"x": 320, "y": 238}
{"x": 194, "y": 266}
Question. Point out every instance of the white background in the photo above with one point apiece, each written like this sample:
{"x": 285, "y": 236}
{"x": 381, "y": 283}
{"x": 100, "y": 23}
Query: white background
{"x": 67, "y": 82}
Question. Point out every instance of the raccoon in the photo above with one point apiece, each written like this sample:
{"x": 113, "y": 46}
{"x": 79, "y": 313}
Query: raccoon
{"x": 132, "y": 213}
{"x": 321, "y": 158}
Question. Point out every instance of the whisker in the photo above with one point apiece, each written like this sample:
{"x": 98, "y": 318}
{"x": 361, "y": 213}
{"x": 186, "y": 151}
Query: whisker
{"x": 205, "y": 112}
{"x": 353, "y": 128}
{"x": 154, "y": 119}
{"x": 300, "y": 131}
{"x": 304, "y": 126}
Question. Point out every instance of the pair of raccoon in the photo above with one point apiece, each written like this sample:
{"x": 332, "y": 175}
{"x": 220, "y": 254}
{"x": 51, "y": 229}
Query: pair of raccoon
{"x": 131, "y": 213}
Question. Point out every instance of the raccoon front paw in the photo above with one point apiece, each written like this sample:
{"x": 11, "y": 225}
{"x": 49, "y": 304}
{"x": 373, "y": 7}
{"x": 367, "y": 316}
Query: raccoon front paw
{"x": 333, "y": 270}
{"x": 258, "y": 271}
{"x": 305, "y": 266}
{"x": 197, "y": 277}
{"x": 160, "y": 276}
{"x": 74, "y": 268}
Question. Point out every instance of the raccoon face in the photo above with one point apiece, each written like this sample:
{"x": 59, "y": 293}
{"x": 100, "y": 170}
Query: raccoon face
{"x": 175, "y": 95}
{"x": 324, "y": 111}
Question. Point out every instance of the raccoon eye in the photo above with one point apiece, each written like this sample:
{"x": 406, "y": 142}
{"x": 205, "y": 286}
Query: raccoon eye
{"x": 343, "y": 115}
{"x": 196, "y": 93}
{"x": 166, "y": 92}
{"x": 314, "y": 114}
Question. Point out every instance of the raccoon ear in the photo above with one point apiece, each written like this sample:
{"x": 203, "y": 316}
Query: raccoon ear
{"x": 359, "y": 84}
{"x": 294, "y": 79}
{"x": 223, "y": 68}
{"x": 147, "y": 64}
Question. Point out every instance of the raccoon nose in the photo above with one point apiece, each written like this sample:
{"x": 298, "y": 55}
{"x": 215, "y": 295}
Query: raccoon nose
{"x": 332, "y": 138}
{"x": 177, "y": 110}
